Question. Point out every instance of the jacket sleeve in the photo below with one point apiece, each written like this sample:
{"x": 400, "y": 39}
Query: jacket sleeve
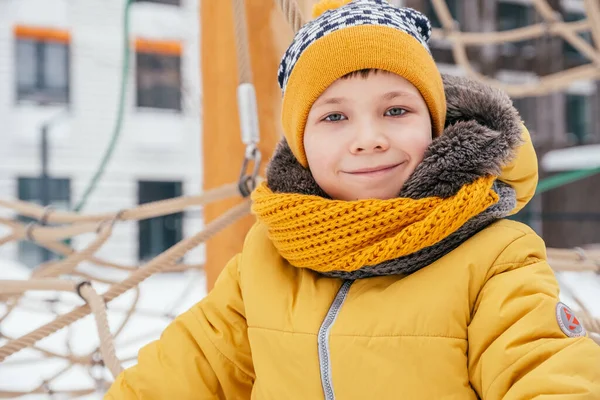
{"x": 203, "y": 354}
{"x": 517, "y": 349}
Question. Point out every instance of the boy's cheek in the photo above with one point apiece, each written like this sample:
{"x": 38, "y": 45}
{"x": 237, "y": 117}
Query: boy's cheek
{"x": 416, "y": 147}
{"x": 320, "y": 149}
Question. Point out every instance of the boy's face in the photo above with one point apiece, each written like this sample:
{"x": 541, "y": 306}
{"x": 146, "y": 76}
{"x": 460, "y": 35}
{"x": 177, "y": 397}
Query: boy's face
{"x": 365, "y": 136}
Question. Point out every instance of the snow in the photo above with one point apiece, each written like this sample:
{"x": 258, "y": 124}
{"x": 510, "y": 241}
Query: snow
{"x": 572, "y": 158}
{"x": 161, "y": 297}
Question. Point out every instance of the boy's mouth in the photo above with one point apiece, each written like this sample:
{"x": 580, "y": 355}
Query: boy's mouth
{"x": 374, "y": 170}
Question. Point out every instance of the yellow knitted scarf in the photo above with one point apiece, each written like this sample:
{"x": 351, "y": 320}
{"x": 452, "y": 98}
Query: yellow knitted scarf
{"x": 332, "y": 235}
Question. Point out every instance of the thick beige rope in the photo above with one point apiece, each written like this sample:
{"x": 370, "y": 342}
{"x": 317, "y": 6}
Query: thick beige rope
{"x": 575, "y": 40}
{"x": 592, "y": 8}
{"x": 70, "y": 263}
{"x": 18, "y": 287}
{"x": 574, "y": 260}
{"x": 50, "y": 237}
{"x": 107, "y": 346}
{"x": 159, "y": 263}
{"x": 63, "y": 249}
{"x": 512, "y": 35}
{"x": 81, "y": 360}
{"x": 145, "y": 211}
{"x": 292, "y": 13}
{"x": 573, "y": 254}
{"x": 241, "y": 41}
{"x": 71, "y": 393}
{"x": 7, "y": 239}
{"x": 96, "y": 303}
{"x": 544, "y": 85}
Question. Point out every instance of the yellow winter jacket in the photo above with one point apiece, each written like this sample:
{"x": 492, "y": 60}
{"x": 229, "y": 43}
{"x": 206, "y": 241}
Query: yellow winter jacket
{"x": 480, "y": 322}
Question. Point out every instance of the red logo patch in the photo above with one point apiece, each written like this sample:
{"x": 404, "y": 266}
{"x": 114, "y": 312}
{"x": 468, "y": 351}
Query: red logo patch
{"x": 568, "y": 322}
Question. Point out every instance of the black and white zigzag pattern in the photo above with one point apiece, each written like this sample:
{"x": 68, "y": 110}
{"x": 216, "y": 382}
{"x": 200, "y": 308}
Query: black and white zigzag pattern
{"x": 358, "y": 12}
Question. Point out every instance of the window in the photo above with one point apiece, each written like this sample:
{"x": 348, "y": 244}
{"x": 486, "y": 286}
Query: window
{"x": 433, "y": 18}
{"x": 171, "y": 2}
{"x": 577, "y": 113}
{"x": 158, "y": 75}
{"x": 59, "y": 196}
{"x": 42, "y": 65}
{"x": 514, "y": 16}
{"x": 158, "y": 234}
{"x": 571, "y": 52}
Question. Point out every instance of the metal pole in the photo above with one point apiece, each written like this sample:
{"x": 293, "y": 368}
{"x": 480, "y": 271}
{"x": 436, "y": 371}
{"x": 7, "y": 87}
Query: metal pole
{"x": 45, "y": 181}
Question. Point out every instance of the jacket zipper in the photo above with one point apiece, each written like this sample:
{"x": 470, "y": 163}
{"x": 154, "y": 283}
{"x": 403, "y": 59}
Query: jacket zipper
{"x": 323, "y": 339}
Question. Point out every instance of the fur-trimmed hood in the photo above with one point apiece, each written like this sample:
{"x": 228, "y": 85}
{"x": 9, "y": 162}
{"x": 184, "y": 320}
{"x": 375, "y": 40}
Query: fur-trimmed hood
{"x": 483, "y": 135}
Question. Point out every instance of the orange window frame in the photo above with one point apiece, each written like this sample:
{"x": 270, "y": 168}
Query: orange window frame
{"x": 164, "y": 47}
{"x": 42, "y": 34}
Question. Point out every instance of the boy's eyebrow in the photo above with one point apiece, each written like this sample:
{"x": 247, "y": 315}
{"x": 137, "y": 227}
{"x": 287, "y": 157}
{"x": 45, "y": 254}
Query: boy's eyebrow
{"x": 398, "y": 93}
{"x": 330, "y": 100}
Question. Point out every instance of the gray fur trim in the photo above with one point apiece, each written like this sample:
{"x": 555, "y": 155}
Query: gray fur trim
{"x": 415, "y": 261}
{"x": 482, "y": 132}
{"x": 286, "y": 175}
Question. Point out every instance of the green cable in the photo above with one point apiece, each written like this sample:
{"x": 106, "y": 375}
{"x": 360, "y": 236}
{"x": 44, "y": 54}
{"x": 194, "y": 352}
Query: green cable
{"x": 119, "y": 123}
{"x": 564, "y": 179}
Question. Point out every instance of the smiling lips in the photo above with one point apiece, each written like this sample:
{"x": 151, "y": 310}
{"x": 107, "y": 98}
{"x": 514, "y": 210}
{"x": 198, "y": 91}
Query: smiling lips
{"x": 374, "y": 171}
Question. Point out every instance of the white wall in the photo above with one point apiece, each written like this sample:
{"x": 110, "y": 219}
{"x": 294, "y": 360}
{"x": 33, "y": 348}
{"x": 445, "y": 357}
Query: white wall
{"x": 153, "y": 145}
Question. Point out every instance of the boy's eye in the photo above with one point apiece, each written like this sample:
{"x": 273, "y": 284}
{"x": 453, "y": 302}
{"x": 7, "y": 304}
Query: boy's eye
{"x": 395, "y": 112}
{"x": 334, "y": 117}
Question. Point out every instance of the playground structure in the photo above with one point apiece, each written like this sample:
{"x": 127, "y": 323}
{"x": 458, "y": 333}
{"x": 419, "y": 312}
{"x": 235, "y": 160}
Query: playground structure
{"x": 53, "y": 227}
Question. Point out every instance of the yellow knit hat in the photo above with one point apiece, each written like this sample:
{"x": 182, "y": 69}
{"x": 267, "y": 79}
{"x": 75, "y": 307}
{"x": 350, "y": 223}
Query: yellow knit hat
{"x": 348, "y": 36}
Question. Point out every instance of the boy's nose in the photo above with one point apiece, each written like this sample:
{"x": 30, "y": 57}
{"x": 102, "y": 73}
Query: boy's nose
{"x": 369, "y": 139}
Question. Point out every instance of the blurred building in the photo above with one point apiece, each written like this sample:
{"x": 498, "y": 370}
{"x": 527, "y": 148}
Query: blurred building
{"x": 570, "y": 215}
{"x": 61, "y": 66}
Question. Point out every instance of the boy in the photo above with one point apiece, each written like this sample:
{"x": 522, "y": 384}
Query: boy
{"x": 380, "y": 266}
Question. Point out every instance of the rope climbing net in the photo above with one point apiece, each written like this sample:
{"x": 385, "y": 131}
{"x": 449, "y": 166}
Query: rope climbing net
{"x": 552, "y": 25}
{"x": 63, "y": 275}
{"x": 51, "y": 227}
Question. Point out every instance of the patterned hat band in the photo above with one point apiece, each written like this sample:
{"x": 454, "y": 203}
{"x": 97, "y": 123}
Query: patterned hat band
{"x": 355, "y": 13}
